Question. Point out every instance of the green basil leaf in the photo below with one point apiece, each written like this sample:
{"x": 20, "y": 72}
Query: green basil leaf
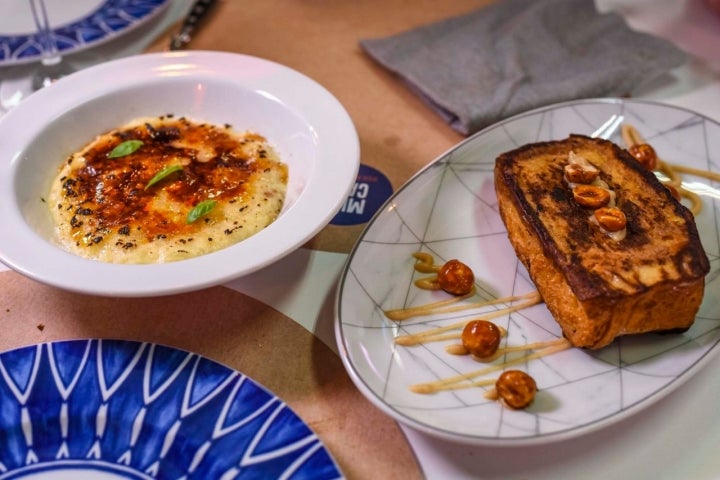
{"x": 125, "y": 148}
{"x": 162, "y": 174}
{"x": 200, "y": 210}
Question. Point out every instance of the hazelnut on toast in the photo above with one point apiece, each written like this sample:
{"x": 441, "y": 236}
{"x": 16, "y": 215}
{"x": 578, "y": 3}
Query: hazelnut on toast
{"x": 640, "y": 269}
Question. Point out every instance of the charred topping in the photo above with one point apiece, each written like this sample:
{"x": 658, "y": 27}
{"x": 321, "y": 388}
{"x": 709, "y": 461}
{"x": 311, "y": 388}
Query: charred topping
{"x": 115, "y": 188}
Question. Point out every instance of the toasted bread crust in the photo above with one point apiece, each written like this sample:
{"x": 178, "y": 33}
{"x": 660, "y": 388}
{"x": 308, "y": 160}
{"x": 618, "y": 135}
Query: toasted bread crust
{"x": 598, "y": 287}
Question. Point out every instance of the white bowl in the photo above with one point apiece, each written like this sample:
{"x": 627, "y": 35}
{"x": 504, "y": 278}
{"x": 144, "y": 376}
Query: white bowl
{"x": 308, "y": 127}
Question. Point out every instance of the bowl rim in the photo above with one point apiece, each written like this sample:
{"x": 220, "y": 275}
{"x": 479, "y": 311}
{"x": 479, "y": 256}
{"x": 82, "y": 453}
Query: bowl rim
{"x": 326, "y": 188}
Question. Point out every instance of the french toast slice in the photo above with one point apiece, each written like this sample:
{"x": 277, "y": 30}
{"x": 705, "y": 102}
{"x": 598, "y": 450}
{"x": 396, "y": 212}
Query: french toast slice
{"x": 597, "y": 284}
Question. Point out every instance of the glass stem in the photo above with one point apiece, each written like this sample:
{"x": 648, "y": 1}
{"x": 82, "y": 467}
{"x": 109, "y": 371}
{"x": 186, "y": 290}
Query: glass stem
{"x": 50, "y": 53}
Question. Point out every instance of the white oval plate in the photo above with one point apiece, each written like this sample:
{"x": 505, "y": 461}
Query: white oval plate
{"x": 308, "y": 127}
{"x": 450, "y": 210}
{"x": 75, "y": 25}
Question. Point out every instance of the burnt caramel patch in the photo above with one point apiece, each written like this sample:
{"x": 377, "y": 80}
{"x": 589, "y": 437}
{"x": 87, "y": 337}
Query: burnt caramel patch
{"x": 121, "y": 202}
{"x": 115, "y": 187}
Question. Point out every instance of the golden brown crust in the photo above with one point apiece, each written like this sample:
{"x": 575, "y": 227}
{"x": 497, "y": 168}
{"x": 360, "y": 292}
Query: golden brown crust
{"x": 110, "y": 208}
{"x": 598, "y": 287}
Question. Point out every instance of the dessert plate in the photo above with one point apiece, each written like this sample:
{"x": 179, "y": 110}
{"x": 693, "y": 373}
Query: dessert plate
{"x": 75, "y": 25}
{"x": 121, "y": 409}
{"x": 449, "y": 210}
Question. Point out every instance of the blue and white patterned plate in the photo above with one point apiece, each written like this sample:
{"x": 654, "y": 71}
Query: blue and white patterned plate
{"x": 450, "y": 210}
{"x": 76, "y": 25}
{"x": 122, "y": 409}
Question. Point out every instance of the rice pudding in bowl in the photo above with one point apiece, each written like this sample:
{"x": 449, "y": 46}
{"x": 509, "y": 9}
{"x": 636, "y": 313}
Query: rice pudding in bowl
{"x": 306, "y": 126}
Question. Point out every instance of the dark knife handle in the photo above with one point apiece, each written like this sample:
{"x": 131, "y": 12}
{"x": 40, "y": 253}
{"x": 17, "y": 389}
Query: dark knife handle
{"x": 197, "y": 14}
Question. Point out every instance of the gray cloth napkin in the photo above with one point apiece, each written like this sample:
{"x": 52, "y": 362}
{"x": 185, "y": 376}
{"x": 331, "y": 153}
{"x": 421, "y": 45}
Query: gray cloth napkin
{"x": 516, "y": 55}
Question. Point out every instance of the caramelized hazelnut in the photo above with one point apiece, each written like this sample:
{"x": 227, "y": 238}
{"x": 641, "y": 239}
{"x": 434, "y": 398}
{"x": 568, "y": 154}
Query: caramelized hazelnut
{"x": 611, "y": 219}
{"x": 516, "y": 388}
{"x": 590, "y": 196}
{"x": 645, "y": 154}
{"x": 481, "y": 338}
{"x": 456, "y": 278}
{"x": 576, "y": 173}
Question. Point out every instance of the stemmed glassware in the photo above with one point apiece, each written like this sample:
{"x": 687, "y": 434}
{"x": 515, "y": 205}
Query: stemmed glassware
{"x": 51, "y": 66}
{"x": 14, "y": 90}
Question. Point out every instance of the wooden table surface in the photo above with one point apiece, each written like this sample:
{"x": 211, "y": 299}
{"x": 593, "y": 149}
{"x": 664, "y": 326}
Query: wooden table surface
{"x": 399, "y": 135}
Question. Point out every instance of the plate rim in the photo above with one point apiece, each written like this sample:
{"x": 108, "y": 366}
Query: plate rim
{"x": 102, "y": 342}
{"x": 106, "y": 37}
{"x": 507, "y": 442}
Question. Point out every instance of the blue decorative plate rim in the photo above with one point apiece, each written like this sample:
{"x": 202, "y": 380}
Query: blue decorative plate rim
{"x": 142, "y": 410}
{"x": 109, "y": 20}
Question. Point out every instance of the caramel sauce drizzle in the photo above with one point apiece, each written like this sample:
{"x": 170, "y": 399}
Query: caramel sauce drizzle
{"x": 436, "y": 334}
{"x": 468, "y": 380}
{"x": 426, "y": 264}
{"x": 433, "y": 308}
{"x": 631, "y": 136}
